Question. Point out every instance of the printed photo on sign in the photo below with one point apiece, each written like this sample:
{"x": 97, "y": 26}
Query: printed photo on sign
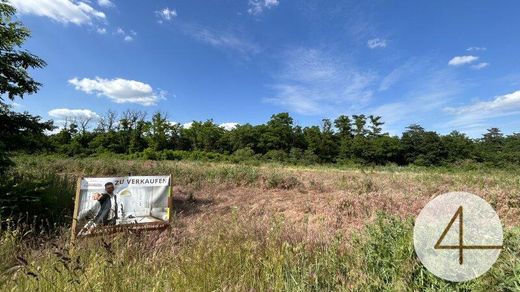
{"x": 113, "y": 201}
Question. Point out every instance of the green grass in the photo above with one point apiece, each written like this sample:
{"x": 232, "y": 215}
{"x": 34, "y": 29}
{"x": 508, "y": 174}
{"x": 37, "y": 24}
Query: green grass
{"x": 237, "y": 251}
{"x": 236, "y": 255}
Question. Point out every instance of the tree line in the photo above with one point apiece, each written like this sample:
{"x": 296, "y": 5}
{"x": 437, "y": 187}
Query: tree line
{"x": 356, "y": 138}
{"x": 346, "y": 139}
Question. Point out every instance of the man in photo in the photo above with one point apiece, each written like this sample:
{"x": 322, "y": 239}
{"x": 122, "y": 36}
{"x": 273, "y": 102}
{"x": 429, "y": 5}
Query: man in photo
{"x": 107, "y": 214}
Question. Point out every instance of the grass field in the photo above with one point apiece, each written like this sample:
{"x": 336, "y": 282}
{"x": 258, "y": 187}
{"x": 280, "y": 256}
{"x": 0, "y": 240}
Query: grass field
{"x": 258, "y": 227}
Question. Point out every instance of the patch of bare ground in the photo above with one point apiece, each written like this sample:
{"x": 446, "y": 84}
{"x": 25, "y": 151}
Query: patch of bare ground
{"x": 321, "y": 204}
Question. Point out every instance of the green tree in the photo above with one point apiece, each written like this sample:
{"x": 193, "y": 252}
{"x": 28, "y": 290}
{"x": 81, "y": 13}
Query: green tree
{"x": 15, "y": 62}
{"x": 458, "y": 146}
{"x": 422, "y": 147}
{"x": 511, "y": 149}
{"x": 359, "y": 122}
{"x": 278, "y": 134}
{"x": 16, "y": 130}
{"x": 159, "y": 132}
{"x": 20, "y": 132}
{"x": 137, "y": 137}
{"x": 244, "y": 136}
{"x": 491, "y": 146}
{"x": 344, "y": 126}
{"x": 375, "y": 125}
{"x": 328, "y": 148}
{"x": 313, "y": 139}
{"x": 204, "y": 136}
{"x": 493, "y": 140}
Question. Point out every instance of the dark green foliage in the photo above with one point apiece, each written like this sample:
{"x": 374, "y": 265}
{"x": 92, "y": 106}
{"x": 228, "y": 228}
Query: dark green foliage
{"x": 204, "y": 136}
{"x": 23, "y": 196}
{"x": 14, "y": 62}
{"x": 20, "y": 132}
{"x": 281, "y": 141}
{"x": 278, "y": 134}
{"x": 458, "y": 146}
{"x": 422, "y": 147}
{"x": 358, "y": 138}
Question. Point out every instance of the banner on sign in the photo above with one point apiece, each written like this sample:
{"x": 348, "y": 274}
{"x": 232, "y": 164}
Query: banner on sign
{"x": 104, "y": 203}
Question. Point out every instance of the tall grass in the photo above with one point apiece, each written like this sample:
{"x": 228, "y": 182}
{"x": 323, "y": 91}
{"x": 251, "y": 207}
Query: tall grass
{"x": 238, "y": 255}
{"x": 237, "y": 251}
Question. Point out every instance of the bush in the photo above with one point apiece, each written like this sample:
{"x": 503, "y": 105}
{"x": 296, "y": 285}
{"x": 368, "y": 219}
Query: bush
{"x": 243, "y": 154}
{"x": 150, "y": 154}
{"x": 40, "y": 200}
{"x": 276, "y": 155}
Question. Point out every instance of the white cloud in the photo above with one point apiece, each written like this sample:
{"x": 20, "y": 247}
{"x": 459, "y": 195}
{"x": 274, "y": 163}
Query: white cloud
{"x": 65, "y": 113}
{"x": 376, "y": 43}
{"x": 229, "y": 126}
{"x": 101, "y": 30}
{"x": 480, "y": 65}
{"x": 105, "y": 3}
{"x": 313, "y": 82}
{"x": 256, "y": 7}
{"x": 64, "y": 11}
{"x": 63, "y": 116}
{"x": 221, "y": 39}
{"x": 119, "y": 90}
{"x": 404, "y": 71}
{"x": 166, "y": 14}
{"x": 476, "y": 49}
{"x": 502, "y": 105}
{"x": 424, "y": 89}
{"x": 187, "y": 125}
{"x": 126, "y": 36}
{"x": 462, "y": 60}
{"x": 15, "y": 105}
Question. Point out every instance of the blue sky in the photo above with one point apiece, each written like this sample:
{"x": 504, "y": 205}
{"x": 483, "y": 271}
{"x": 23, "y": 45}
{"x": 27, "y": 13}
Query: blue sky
{"x": 447, "y": 65}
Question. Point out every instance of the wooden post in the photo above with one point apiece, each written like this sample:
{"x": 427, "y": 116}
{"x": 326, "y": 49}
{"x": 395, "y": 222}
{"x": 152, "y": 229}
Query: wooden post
{"x": 170, "y": 201}
{"x": 76, "y": 210}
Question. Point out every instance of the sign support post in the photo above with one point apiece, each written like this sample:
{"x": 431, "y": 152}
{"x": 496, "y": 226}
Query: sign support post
{"x": 76, "y": 210}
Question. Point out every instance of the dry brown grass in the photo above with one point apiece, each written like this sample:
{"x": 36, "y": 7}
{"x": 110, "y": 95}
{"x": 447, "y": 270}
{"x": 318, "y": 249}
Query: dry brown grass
{"x": 243, "y": 228}
{"x": 327, "y": 202}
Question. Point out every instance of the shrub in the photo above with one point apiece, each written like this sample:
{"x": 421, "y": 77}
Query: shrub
{"x": 276, "y": 155}
{"x": 243, "y": 154}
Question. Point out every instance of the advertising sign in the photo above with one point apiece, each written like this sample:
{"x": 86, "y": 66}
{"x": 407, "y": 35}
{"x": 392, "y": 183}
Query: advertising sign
{"x": 103, "y": 203}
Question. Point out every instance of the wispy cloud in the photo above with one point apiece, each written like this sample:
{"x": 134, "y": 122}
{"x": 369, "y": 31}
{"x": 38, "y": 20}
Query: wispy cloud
{"x": 481, "y": 111}
{"x": 256, "y": 7}
{"x": 470, "y": 49}
{"x": 462, "y": 60}
{"x": 105, "y": 3}
{"x": 406, "y": 70}
{"x": 313, "y": 82}
{"x": 481, "y": 65}
{"x": 376, "y": 43}
{"x": 119, "y": 90}
{"x": 221, "y": 39}
{"x": 64, "y": 11}
{"x": 127, "y": 36}
{"x": 165, "y": 14}
{"x": 414, "y": 92}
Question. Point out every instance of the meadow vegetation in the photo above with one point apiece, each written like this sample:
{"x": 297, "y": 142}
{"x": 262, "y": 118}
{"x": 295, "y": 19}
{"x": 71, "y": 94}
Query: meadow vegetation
{"x": 243, "y": 227}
